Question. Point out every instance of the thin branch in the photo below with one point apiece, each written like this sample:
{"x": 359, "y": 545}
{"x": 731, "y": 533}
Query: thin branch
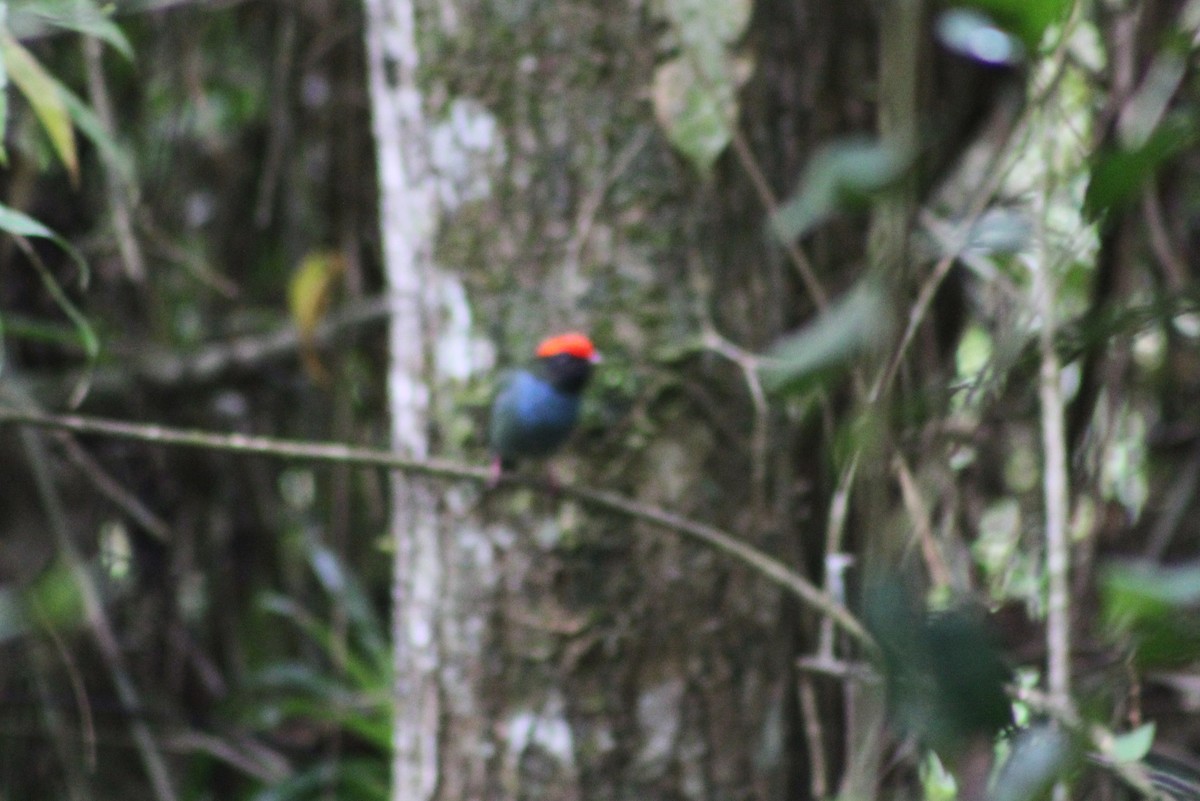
{"x": 765, "y": 565}
{"x": 976, "y": 205}
{"x": 814, "y": 734}
{"x": 839, "y": 669}
{"x": 242, "y": 753}
{"x": 82, "y": 326}
{"x": 100, "y": 624}
{"x": 86, "y": 721}
{"x": 712, "y": 536}
{"x": 127, "y": 244}
{"x": 1176, "y": 502}
{"x": 839, "y": 506}
{"x": 1055, "y": 479}
{"x": 804, "y": 268}
{"x": 918, "y": 513}
{"x": 58, "y": 731}
{"x": 209, "y": 363}
{"x": 1172, "y": 263}
{"x": 748, "y": 363}
{"x": 931, "y": 284}
{"x": 1056, "y": 490}
{"x": 591, "y": 203}
{"x": 766, "y": 196}
{"x": 112, "y": 489}
{"x": 280, "y": 132}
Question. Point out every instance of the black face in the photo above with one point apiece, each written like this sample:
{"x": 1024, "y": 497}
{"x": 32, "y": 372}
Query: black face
{"x": 565, "y": 372}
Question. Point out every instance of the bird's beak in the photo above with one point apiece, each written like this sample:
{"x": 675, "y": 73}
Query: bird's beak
{"x": 595, "y": 358}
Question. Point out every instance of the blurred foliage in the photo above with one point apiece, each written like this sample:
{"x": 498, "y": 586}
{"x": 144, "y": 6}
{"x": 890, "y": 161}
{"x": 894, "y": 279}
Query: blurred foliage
{"x": 1028, "y": 19}
{"x": 852, "y": 328}
{"x": 1119, "y": 175}
{"x": 52, "y": 601}
{"x": 88, "y": 17}
{"x": 1039, "y": 756}
{"x": 695, "y": 89}
{"x": 42, "y": 92}
{"x": 945, "y": 675}
{"x": 975, "y": 36}
{"x": 845, "y": 175}
{"x": 58, "y": 111}
{"x": 595, "y": 190}
{"x": 1156, "y": 608}
{"x": 310, "y": 295}
{"x": 347, "y": 691}
{"x": 1134, "y": 746}
{"x": 19, "y": 224}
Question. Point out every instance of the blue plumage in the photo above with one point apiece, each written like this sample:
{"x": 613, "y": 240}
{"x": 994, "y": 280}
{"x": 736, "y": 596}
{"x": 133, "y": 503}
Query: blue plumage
{"x": 536, "y": 410}
{"x": 531, "y": 418}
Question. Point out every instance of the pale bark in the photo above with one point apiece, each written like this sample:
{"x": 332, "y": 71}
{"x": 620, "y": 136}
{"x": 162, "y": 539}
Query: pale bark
{"x": 408, "y": 220}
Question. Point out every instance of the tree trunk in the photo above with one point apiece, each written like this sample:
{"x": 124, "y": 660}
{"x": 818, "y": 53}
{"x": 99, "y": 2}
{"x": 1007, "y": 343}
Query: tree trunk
{"x": 408, "y": 218}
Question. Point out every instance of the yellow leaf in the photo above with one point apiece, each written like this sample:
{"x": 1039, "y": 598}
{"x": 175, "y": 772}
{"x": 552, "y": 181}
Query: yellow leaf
{"x": 310, "y": 292}
{"x": 41, "y": 90}
{"x": 311, "y": 289}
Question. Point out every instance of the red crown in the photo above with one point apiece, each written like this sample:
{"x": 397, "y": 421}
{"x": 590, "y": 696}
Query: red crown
{"x": 573, "y": 343}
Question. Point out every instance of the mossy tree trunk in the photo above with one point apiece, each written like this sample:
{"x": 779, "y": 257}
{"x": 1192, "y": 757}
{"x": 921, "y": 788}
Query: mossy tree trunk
{"x": 618, "y": 661}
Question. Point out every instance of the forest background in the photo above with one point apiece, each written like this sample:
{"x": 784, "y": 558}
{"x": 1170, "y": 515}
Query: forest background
{"x": 886, "y": 487}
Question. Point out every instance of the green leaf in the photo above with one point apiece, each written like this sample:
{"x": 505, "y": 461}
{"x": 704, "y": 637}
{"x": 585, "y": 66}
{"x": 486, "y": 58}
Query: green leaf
{"x": 695, "y": 92}
{"x": 1137, "y": 587}
{"x": 115, "y": 156}
{"x": 55, "y": 599}
{"x": 3, "y": 114}
{"x": 20, "y": 224}
{"x": 1156, "y": 609}
{"x": 857, "y": 324}
{"x": 846, "y": 174}
{"x": 344, "y": 778}
{"x": 82, "y": 16}
{"x": 317, "y": 695}
{"x": 945, "y": 675}
{"x": 1028, "y": 19}
{"x": 721, "y": 21}
{"x": 999, "y": 231}
{"x": 367, "y": 665}
{"x": 1117, "y": 176}
{"x": 42, "y": 91}
{"x": 368, "y": 630}
{"x": 1133, "y": 746}
{"x": 697, "y": 117}
{"x": 1040, "y": 756}
{"x": 37, "y": 330}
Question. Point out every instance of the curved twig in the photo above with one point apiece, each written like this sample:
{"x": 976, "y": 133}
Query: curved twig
{"x": 711, "y": 536}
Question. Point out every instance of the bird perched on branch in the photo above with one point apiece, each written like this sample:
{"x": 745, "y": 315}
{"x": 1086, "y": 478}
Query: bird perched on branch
{"x": 536, "y": 409}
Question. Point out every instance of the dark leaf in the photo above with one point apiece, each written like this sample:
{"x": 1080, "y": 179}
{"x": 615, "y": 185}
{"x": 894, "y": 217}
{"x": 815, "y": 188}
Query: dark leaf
{"x": 844, "y": 175}
{"x": 1119, "y": 175}
{"x": 1156, "y": 607}
{"x": 857, "y": 324}
{"x": 83, "y": 16}
{"x": 1040, "y": 756}
{"x": 946, "y": 678}
{"x": 1027, "y": 19}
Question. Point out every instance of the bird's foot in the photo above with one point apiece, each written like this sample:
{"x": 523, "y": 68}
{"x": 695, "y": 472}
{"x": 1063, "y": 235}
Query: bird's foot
{"x": 495, "y": 473}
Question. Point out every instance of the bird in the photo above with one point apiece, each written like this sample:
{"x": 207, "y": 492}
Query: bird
{"x": 536, "y": 409}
